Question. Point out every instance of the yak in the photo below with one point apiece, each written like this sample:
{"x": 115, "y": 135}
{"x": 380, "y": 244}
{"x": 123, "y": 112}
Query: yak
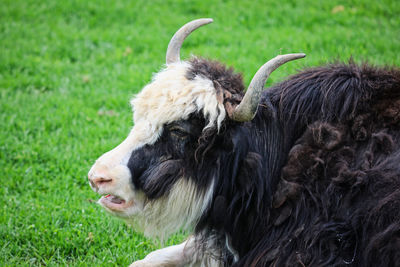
{"x": 305, "y": 173}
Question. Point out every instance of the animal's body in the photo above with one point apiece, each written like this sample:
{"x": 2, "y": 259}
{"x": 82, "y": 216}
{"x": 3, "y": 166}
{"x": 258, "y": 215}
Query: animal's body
{"x": 310, "y": 178}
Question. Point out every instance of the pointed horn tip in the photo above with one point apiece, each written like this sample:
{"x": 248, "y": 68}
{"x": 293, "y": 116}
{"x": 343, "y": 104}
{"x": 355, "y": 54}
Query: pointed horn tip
{"x": 204, "y": 21}
{"x": 282, "y": 59}
{"x": 200, "y": 22}
{"x": 294, "y": 55}
{"x": 209, "y": 19}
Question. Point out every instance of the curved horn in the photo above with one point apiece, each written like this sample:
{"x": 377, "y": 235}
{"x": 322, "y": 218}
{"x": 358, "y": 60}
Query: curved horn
{"x": 175, "y": 44}
{"x": 247, "y": 108}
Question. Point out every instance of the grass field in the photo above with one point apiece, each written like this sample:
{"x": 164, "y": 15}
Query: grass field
{"x": 69, "y": 68}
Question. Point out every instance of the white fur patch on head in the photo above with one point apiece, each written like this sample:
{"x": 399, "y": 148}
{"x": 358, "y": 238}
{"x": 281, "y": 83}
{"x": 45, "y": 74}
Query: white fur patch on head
{"x": 171, "y": 97}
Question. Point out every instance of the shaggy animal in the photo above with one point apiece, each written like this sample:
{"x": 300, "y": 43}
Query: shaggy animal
{"x": 306, "y": 173}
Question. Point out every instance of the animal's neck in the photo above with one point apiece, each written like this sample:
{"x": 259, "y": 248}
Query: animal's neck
{"x": 269, "y": 140}
{"x": 248, "y": 175}
{"x": 256, "y": 177}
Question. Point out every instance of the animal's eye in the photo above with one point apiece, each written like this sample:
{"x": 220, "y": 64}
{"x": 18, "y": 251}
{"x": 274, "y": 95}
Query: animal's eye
{"x": 178, "y": 132}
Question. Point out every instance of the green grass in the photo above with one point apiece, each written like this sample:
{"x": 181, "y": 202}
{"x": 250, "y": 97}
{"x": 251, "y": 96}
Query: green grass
{"x": 69, "y": 68}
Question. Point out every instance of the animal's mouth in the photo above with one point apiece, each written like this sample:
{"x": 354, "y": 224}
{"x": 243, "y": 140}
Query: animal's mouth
{"x": 114, "y": 203}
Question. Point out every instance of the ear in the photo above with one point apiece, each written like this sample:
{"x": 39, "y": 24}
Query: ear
{"x": 229, "y": 100}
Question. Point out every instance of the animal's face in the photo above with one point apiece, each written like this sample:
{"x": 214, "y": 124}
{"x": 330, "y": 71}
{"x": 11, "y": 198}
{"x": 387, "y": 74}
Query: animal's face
{"x": 148, "y": 175}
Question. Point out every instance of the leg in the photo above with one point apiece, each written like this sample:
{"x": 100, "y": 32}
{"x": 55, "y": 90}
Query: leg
{"x": 173, "y": 256}
{"x": 184, "y": 254}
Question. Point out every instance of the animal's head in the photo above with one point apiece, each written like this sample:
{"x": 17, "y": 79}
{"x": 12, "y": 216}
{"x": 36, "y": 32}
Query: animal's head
{"x": 161, "y": 175}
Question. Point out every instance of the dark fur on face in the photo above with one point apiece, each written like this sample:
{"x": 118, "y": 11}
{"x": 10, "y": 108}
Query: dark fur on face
{"x": 155, "y": 168}
{"x": 312, "y": 180}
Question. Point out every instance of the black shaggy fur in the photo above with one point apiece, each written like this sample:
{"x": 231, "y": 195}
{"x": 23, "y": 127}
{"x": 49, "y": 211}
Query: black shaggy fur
{"x": 312, "y": 180}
